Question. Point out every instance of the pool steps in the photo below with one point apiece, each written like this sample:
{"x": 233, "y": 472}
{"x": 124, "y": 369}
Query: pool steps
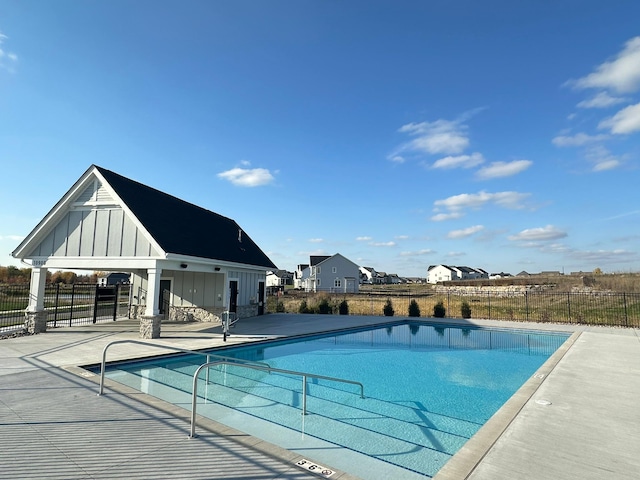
{"x": 336, "y": 415}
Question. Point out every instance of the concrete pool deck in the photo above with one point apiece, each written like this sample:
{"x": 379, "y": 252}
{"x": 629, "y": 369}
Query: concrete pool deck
{"x": 581, "y": 420}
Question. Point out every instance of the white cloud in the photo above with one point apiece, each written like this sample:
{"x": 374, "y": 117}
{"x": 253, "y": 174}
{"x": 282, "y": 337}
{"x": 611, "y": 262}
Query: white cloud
{"x": 425, "y": 251}
{"x": 625, "y": 121}
{"x": 363, "y": 239}
{"x": 604, "y": 257}
{"x": 316, "y": 240}
{"x": 621, "y": 74}
{"x": 512, "y": 200}
{"x": 503, "y": 169}
{"x": 578, "y": 140}
{"x": 382, "y": 244}
{"x": 402, "y": 237}
{"x": 465, "y": 232}
{"x": 437, "y": 137}
{"x": 245, "y": 177}
{"x": 539, "y": 234}
{"x": 460, "y": 161}
{"x": 397, "y": 159}
{"x": 601, "y": 158}
{"x": 601, "y": 100}
{"x": 441, "y": 217}
{"x": 7, "y": 59}
{"x": 13, "y": 238}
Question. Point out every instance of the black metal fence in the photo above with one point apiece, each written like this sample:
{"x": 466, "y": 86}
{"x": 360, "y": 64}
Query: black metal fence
{"x": 66, "y": 305}
{"x": 592, "y": 308}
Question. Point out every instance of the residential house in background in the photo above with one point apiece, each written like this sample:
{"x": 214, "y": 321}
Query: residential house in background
{"x": 447, "y": 273}
{"x": 300, "y": 276}
{"x": 278, "y": 279}
{"x": 115, "y": 278}
{"x": 334, "y": 273}
{"x": 368, "y": 275}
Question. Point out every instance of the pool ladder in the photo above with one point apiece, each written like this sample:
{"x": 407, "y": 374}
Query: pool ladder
{"x": 231, "y": 360}
{"x": 221, "y": 360}
{"x": 304, "y": 375}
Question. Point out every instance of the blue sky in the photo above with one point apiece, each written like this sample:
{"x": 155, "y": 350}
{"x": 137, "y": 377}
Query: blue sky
{"x": 498, "y": 134}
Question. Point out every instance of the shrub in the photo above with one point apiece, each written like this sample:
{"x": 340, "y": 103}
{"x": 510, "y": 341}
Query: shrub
{"x": 414, "y": 309}
{"x": 465, "y": 310}
{"x": 324, "y": 307}
{"x": 343, "y": 308}
{"x": 280, "y": 307}
{"x": 303, "y": 308}
{"x": 439, "y": 310}
{"x": 388, "y": 308}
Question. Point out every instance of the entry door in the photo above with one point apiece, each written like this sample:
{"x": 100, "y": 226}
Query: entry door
{"x": 260, "y": 298}
{"x": 233, "y": 296}
{"x": 165, "y": 292}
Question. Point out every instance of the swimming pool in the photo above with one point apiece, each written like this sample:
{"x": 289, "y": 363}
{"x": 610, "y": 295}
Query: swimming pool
{"x": 428, "y": 389}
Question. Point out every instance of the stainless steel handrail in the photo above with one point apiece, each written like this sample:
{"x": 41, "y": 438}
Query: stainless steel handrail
{"x": 304, "y": 375}
{"x": 231, "y": 360}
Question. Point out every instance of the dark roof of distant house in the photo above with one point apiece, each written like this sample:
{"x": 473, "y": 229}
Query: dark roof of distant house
{"x": 316, "y": 259}
{"x": 183, "y": 228}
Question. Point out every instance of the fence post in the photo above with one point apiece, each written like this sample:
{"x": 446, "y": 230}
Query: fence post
{"x": 95, "y": 304}
{"x": 55, "y": 309}
{"x": 73, "y": 296}
{"x": 626, "y": 318}
{"x": 569, "y": 305}
{"x": 489, "y": 301}
{"x": 526, "y": 304}
{"x": 115, "y": 301}
{"x": 448, "y": 302}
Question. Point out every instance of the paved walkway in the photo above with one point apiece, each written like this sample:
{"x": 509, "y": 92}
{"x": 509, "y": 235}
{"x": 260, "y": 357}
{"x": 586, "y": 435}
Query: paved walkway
{"x": 580, "y": 421}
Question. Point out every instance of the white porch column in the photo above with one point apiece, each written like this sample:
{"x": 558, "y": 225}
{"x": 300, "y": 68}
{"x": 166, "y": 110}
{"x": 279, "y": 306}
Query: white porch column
{"x": 150, "y": 321}
{"x": 36, "y": 316}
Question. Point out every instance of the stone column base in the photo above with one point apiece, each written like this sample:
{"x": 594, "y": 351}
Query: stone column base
{"x": 150, "y": 326}
{"x": 36, "y": 322}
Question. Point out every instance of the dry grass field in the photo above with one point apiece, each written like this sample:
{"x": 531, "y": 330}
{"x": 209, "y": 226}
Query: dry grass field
{"x": 598, "y": 299}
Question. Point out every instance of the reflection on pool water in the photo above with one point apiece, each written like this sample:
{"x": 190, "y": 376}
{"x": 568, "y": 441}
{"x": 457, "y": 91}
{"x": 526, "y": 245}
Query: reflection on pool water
{"x": 428, "y": 389}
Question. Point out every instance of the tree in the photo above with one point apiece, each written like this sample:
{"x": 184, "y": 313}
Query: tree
{"x": 414, "y": 309}
{"x": 388, "y": 308}
{"x": 438, "y": 310}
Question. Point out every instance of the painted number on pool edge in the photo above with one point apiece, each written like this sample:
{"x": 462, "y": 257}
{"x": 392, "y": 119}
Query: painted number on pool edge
{"x": 315, "y": 468}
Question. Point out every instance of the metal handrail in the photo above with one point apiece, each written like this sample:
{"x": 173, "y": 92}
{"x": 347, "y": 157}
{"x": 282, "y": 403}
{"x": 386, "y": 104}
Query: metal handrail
{"x": 231, "y": 360}
{"x": 304, "y": 375}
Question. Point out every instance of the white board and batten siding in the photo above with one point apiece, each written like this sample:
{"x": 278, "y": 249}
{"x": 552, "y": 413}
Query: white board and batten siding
{"x": 95, "y": 226}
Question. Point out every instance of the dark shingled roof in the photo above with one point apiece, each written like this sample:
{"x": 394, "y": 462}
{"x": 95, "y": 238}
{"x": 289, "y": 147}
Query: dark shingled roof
{"x": 184, "y": 228}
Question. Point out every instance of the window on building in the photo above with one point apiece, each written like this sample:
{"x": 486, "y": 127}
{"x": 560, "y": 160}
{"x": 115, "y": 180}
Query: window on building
{"x": 334, "y": 269}
{"x": 337, "y": 283}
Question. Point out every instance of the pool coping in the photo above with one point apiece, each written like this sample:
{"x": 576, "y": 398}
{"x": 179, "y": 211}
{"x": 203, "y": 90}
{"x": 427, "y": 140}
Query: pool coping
{"x": 459, "y": 467}
{"x": 465, "y": 461}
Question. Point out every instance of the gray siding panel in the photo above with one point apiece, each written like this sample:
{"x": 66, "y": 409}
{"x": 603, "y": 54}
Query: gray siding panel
{"x": 86, "y": 237}
{"x": 60, "y": 237}
{"x": 114, "y": 243}
{"x": 73, "y": 237}
{"x": 128, "y": 238}
{"x": 101, "y": 233}
{"x": 142, "y": 245}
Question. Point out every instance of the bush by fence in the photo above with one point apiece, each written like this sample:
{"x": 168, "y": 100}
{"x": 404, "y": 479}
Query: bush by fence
{"x": 593, "y": 308}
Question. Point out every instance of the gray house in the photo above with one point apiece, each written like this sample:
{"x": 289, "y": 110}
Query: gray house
{"x": 185, "y": 262}
{"x": 332, "y": 274}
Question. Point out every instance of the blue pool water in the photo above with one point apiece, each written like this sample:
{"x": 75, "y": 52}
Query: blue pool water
{"x": 428, "y": 389}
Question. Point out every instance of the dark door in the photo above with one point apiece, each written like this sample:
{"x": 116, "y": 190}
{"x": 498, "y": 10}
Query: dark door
{"x": 163, "y": 303}
{"x": 260, "y": 298}
{"x": 233, "y": 296}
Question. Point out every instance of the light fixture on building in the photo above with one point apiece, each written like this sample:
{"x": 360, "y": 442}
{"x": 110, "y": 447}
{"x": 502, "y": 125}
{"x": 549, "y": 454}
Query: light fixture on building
{"x": 183, "y": 265}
